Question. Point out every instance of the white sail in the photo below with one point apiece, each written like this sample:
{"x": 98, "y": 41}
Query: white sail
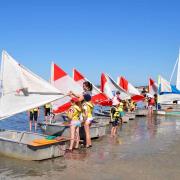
{"x": 22, "y": 89}
{"x": 61, "y": 80}
{"x": 109, "y": 87}
{"x": 97, "y": 95}
{"x": 167, "y": 92}
{"x": 128, "y": 87}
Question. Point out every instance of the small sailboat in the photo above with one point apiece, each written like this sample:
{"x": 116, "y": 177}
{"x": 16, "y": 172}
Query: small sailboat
{"x": 135, "y": 96}
{"x": 166, "y": 95}
{"x": 23, "y": 90}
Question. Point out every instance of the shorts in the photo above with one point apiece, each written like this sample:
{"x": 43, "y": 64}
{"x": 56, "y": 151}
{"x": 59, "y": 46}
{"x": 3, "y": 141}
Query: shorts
{"x": 89, "y": 120}
{"x": 121, "y": 114}
{"x": 33, "y": 116}
{"x": 76, "y": 123}
{"x": 47, "y": 111}
{"x": 115, "y": 122}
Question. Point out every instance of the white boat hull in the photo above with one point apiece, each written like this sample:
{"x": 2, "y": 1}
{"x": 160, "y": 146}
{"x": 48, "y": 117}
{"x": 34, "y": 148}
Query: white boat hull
{"x": 167, "y": 113}
{"x": 18, "y": 145}
{"x": 97, "y": 129}
{"x": 141, "y": 112}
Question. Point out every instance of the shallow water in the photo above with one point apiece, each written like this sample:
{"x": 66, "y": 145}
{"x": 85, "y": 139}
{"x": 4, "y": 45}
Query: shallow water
{"x": 145, "y": 148}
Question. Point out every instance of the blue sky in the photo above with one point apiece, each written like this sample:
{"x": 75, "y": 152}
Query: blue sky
{"x": 134, "y": 38}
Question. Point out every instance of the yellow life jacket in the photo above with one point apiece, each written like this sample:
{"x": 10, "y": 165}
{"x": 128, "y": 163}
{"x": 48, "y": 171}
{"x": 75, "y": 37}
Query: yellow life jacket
{"x": 48, "y": 105}
{"x": 116, "y": 114}
{"x": 74, "y": 112}
{"x": 121, "y": 106}
{"x": 132, "y": 105}
{"x": 89, "y": 110}
{"x": 34, "y": 110}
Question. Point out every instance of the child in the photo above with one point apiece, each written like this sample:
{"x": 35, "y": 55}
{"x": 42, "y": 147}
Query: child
{"x": 33, "y": 116}
{"x": 150, "y": 106}
{"x": 74, "y": 116}
{"x": 47, "y": 111}
{"x": 115, "y": 120}
{"x": 87, "y": 108}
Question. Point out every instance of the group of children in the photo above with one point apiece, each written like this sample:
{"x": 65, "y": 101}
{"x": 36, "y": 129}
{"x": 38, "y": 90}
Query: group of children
{"x": 80, "y": 114}
{"x": 34, "y": 113}
{"x": 118, "y": 110}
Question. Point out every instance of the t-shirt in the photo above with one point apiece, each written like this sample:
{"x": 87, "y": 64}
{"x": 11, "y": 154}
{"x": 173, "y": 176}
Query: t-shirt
{"x": 115, "y": 100}
{"x": 87, "y": 95}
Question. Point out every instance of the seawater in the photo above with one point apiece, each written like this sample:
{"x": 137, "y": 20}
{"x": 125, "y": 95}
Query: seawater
{"x": 145, "y": 148}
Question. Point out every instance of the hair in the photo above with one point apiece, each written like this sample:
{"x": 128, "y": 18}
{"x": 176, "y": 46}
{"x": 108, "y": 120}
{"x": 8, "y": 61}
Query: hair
{"x": 118, "y": 92}
{"x": 88, "y": 85}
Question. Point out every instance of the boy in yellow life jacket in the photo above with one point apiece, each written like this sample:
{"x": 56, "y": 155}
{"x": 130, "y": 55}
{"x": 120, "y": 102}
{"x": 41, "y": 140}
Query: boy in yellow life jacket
{"x": 33, "y": 115}
{"x": 73, "y": 114}
{"x": 116, "y": 117}
{"x": 115, "y": 120}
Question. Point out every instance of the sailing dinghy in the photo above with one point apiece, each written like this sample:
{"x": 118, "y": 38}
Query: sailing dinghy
{"x": 23, "y": 90}
{"x": 168, "y": 93}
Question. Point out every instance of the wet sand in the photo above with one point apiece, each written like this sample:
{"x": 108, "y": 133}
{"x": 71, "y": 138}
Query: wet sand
{"x": 146, "y": 148}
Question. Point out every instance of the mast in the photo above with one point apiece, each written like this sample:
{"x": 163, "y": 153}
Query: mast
{"x": 52, "y": 73}
{"x": 1, "y": 73}
{"x": 158, "y": 92}
{"x": 178, "y": 73}
{"x": 173, "y": 70}
{"x": 73, "y": 74}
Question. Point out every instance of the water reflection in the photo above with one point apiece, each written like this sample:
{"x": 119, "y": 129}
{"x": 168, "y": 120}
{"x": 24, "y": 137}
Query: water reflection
{"x": 18, "y": 168}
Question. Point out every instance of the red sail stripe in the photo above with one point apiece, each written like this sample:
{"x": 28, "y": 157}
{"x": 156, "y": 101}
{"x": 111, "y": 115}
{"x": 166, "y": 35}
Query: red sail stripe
{"x": 124, "y": 83}
{"x": 77, "y": 75}
{"x": 62, "y": 108}
{"x": 103, "y": 81}
{"x": 58, "y": 72}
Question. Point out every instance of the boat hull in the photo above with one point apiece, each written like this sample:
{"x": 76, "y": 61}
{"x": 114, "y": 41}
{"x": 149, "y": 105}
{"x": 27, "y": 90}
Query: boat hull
{"x": 131, "y": 115}
{"x": 141, "y": 112}
{"x": 167, "y": 113}
{"x": 97, "y": 129}
{"x": 18, "y": 145}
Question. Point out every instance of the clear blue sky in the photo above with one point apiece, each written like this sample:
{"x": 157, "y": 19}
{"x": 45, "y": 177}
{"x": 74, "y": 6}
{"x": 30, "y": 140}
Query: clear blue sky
{"x": 134, "y": 38}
